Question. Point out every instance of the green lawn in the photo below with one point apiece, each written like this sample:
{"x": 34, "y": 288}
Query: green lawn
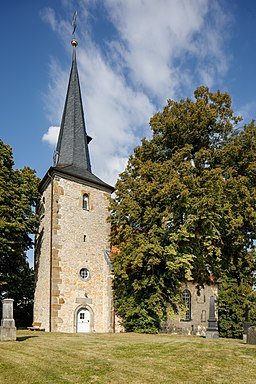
{"x": 124, "y": 358}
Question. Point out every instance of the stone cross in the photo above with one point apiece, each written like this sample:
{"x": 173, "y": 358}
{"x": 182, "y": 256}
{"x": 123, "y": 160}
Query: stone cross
{"x": 7, "y": 329}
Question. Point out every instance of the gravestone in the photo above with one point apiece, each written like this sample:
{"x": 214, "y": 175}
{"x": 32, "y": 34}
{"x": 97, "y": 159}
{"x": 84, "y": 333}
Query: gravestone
{"x": 247, "y": 325}
{"x": 251, "y": 335}
{"x": 212, "y": 329}
{"x": 7, "y": 329}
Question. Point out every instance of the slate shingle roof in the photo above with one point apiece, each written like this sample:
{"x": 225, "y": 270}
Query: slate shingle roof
{"x": 72, "y": 147}
{"x": 72, "y": 153}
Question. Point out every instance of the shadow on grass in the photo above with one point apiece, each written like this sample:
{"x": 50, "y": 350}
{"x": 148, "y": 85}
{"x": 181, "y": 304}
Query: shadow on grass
{"x": 23, "y": 338}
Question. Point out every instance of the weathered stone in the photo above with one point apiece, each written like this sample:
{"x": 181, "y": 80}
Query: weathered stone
{"x": 55, "y": 292}
{"x": 83, "y": 300}
{"x": 251, "y": 337}
{"x": 7, "y": 329}
{"x": 247, "y": 325}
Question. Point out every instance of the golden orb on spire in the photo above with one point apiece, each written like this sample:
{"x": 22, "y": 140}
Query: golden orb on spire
{"x": 74, "y": 43}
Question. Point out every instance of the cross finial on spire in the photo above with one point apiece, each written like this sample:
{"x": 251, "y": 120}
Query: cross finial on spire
{"x": 74, "y": 42}
{"x": 74, "y": 22}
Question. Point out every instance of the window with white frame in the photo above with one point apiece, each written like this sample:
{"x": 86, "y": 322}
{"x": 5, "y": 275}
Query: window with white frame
{"x": 186, "y": 298}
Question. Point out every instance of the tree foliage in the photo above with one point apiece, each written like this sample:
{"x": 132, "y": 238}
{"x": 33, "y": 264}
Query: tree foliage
{"x": 18, "y": 199}
{"x": 234, "y": 298}
{"x": 184, "y": 207}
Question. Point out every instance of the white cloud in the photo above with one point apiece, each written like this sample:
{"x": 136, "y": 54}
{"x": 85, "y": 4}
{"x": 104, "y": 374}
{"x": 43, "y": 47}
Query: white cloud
{"x": 247, "y": 111}
{"x": 48, "y": 16}
{"x": 158, "y": 38}
{"x": 51, "y": 136}
{"x": 57, "y": 88}
{"x": 157, "y": 50}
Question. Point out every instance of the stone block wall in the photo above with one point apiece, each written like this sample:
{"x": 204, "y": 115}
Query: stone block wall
{"x": 79, "y": 239}
{"x": 198, "y": 322}
{"x": 42, "y": 263}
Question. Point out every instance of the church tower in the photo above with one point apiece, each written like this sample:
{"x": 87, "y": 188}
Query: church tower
{"x": 73, "y": 270}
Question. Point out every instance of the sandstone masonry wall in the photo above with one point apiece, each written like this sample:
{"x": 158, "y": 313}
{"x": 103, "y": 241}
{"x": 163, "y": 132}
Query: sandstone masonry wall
{"x": 199, "y": 312}
{"x": 79, "y": 239}
{"x": 42, "y": 263}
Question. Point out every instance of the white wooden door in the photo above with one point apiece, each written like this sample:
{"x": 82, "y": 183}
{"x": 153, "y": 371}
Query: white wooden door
{"x": 83, "y": 321}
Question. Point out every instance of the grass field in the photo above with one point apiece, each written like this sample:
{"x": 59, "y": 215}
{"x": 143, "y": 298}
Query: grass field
{"x": 124, "y": 358}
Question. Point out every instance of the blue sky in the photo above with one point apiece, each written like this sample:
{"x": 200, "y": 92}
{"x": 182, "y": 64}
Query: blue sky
{"x": 132, "y": 56}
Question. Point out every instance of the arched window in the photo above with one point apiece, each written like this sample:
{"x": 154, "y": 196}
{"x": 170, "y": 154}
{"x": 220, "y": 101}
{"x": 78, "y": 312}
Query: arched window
{"x": 86, "y": 201}
{"x": 186, "y": 298}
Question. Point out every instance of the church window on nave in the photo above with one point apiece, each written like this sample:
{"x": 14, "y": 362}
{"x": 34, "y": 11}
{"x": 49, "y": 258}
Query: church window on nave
{"x": 86, "y": 201}
{"x": 186, "y": 298}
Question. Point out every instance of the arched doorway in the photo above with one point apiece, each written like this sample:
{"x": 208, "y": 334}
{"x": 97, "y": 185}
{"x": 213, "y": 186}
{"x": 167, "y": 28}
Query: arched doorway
{"x": 83, "y": 320}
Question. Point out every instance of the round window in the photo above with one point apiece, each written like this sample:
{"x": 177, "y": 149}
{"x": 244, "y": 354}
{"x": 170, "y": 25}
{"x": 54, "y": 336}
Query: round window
{"x": 84, "y": 273}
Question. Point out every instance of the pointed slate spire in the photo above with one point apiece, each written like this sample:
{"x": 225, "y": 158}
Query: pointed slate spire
{"x": 72, "y": 148}
{"x": 72, "y": 157}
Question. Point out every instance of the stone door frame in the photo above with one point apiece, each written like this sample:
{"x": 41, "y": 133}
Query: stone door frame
{"x": 88, "y": 308}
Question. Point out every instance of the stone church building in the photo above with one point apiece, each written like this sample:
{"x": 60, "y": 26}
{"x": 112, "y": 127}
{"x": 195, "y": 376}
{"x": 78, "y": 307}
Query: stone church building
{"x": 73, "y": 269}
{"x": 72, "y": 253}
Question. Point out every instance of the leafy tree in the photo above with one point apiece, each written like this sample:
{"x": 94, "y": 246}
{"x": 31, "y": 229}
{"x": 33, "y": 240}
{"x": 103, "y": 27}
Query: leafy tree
{"x": 233, "y": 301}
{"x": 237, "y": 279}
{"x": 18, "y": 199}
{"x": 184, "y": 207}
